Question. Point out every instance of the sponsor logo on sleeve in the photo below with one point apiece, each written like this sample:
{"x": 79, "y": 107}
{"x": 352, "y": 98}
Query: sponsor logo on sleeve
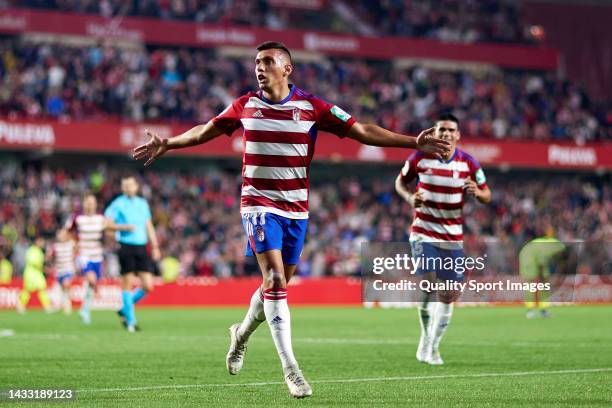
{"x": 480, "y": 177}
{"x": 340, "y": 114}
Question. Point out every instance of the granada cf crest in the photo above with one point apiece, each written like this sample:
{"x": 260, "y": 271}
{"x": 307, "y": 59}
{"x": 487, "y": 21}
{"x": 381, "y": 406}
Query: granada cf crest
{"x": 296, "y": 115}
{"x": 260, "y": 233}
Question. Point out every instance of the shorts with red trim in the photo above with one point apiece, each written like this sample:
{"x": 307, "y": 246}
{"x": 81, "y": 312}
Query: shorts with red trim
{"x": 266, "y": 231}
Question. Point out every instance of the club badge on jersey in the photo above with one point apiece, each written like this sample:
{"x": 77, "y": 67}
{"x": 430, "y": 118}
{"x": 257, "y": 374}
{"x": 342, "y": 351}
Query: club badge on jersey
{"x": 260, "y": 233}
{"x": 296, "y": 115}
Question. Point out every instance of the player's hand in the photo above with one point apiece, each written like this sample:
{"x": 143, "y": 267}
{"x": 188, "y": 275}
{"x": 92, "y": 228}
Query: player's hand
{"x": 416, "y": 200}
{"x": 470, "y": 187}
{"x": 155, "y": 254}
{"x": 427, "y": 142}
{"x": 129, "y": 227}
{"x": 152, "y": 149}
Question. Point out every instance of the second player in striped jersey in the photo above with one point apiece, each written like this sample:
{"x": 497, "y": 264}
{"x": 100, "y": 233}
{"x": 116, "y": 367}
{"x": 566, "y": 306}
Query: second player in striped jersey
{"x": 280, "y": 123}
{"x": 437, "y": 228}
{"x": 63, "y": 250}
{"x": 89, "y": 227}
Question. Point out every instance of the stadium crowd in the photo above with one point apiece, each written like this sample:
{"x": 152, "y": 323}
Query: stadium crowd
{"x": 101, "y": 82}
{"x": 445, "y": 20}
{"x": 241, "y": 12}
{"x": 449, "y": 20}
{"x": 198, "y": 222}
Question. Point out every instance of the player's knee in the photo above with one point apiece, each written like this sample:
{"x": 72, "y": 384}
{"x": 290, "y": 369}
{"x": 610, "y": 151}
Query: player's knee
{"x": 126, "y": 282}
{"x": 275, "y": 280}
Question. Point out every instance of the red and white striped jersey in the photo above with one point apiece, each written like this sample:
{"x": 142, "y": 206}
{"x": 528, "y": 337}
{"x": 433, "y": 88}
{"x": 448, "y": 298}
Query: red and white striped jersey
{"x": 90, "y": 229}
{"x": 440, "y": 218}
{"x": 63, "y": 256}
{"x": 278, "y": 145}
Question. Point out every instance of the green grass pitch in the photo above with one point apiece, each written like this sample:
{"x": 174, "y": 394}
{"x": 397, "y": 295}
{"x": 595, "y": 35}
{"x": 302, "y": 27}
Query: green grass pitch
{"x": 494, "y": 357}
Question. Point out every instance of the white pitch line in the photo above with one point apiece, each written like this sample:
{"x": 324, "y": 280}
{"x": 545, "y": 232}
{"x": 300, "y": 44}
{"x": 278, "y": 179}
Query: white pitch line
{"x": 331, "y": 340}
{"x": 7, "y": 333}
{"x": 328, "y": 340}
{"x": 38, "y": 336}
{"x": 357, "y": 380}
{"x": 317, "y": 340}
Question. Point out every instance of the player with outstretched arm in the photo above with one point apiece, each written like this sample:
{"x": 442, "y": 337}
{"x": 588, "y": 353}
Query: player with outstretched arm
{"x": 280, "y": 124}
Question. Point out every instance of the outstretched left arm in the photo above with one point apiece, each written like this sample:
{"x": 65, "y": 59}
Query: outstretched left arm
{"x": 374, "y": 135}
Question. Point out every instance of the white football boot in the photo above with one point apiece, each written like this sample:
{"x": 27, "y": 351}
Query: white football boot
{"x": 298, "y": 386}
{"x": 235, "y": 355}
{"x": 434, "y": 357}
{"x": 422, "y": 353}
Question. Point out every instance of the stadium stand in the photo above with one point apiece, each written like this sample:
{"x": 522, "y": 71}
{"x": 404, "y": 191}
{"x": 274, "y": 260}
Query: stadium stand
{"x": 448, "y": 20}
{"x": 43, "y": 80}
{"x": 92, "y": 81}
{"x": 198, "y": 222}
{"x": 445, "y": 20}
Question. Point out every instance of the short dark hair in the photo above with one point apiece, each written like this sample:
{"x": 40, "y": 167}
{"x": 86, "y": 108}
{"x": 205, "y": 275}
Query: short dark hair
{"x": 274, "y": 45}
{"x": 447, "y": 116}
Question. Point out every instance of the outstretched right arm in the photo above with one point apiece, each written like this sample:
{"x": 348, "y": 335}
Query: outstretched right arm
{"x": 157, "y": 146}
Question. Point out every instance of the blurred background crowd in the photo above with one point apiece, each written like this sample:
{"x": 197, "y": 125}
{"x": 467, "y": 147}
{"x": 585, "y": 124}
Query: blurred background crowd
{"x": 98, "y": 82}
{"x": 447, "y": 20}
{"x": 198, "y": 221}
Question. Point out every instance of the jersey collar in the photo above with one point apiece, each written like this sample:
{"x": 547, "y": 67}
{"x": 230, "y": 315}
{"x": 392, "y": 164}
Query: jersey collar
{"x": 452, "y": 157}
{"x": 287, "y": 98}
